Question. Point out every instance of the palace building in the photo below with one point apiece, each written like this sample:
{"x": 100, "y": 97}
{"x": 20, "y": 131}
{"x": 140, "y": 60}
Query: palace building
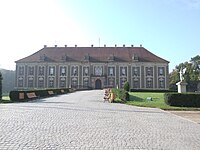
{"x": 92, "y": 67}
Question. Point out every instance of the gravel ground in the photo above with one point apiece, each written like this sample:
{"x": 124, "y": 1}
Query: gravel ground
{"x": 190, "y": 115}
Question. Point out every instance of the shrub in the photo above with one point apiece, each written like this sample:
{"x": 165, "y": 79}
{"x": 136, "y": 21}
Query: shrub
{"x": 150, "y": 90}
{"x": 182, "y": 100}
{"x": 126, "y": 86}
{"x": 121, "y": 94}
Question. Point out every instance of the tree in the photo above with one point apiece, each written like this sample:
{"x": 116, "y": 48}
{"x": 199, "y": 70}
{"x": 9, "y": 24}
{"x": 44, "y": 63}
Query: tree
{"x": 126, "y": 86}
{"x": 8, "y": 82}
{"x": 173, "y": 79}
{"x": 192, "y": 75}
{"x": 1, "y": 78}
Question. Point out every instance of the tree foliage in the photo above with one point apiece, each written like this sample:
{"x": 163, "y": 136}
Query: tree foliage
{"x": 126, "y": 86}
{"x": 192, "y": 75}
{"x": 1, "y": 78}
{"x": 8, "y": 82}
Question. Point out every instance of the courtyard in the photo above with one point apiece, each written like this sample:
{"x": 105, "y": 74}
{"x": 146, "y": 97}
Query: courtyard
{"x": 81, "y": 120}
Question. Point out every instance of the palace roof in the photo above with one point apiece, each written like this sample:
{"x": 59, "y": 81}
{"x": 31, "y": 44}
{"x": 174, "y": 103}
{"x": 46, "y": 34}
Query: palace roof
{"x": 92, "y": 54}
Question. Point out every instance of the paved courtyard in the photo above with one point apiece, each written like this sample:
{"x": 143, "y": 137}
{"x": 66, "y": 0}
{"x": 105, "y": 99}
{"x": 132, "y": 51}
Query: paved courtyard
{"x": 81, "y": 120}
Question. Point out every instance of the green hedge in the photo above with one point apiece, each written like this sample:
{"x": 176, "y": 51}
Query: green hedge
{"x": 42, "y": 93}
{"x": 182, "y": 99}
{"x": 150, "y": 90}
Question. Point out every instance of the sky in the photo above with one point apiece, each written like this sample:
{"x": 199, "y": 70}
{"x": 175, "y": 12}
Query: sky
{"x": 168, "y": 28}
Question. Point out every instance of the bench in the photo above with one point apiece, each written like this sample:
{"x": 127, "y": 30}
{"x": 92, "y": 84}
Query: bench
{"x": 50, "y": 92}
{"x": 21, "y": 95}
{"x": 31, "y": 95}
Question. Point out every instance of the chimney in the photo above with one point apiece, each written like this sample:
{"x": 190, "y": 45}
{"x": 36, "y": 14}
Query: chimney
{"x": 65, "y": 45}
{"x": 45, "y": 46}
{"x": 92, "y": 45}
{"x": 55, "y": 45}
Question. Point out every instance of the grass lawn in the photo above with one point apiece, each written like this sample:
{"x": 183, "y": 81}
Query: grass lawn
{"x": 140, "y": 99}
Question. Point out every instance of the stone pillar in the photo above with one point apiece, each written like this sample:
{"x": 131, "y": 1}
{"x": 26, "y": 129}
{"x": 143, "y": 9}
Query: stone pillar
{"x": 181, "y": 87}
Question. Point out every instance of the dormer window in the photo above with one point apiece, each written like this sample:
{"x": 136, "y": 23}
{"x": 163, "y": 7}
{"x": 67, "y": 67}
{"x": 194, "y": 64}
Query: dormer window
{"x": 43, "y": 57}
{"x": 87, "y": 57}
{"x": 111, "y": 57}
{"x": 65, "y": 57}
{"x": 135, "y": 57}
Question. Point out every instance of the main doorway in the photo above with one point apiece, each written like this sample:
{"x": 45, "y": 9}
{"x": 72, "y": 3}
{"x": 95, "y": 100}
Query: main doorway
{"x": 98, "y": 84}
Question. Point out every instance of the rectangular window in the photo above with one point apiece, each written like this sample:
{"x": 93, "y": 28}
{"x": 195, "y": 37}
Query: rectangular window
{"x": 161, "y": 71}
{"x": 30, "y": 70}
{"x": 74, "y": 82}
{"x": 111, "y": 82}
{"x": 85, "y": 82}
{"x": 98, "y": 70}
{"x": 63, "y": 82}
{"x": 21, "y": 70}
{"x": 63, "y": 71}
{"x": 51, "y": 71}
{"x": 136, "y": 83}
{"x": 149, "y": 71}
{"x": 20, "y": 82}
{"x": 41, "y": 70}
{"x": 51, "y": 82}
{"x": 30, "y": 83}
{"x": 136, "y": 71}
{"x": 85, "y": 71}
{"x": 74, "y": 71}
{"x": 149, "y": 83}
{"x": 41, "y": 82}
{"x": 123, "y": 71}
{"x": 111, "y": 71}
{"x": 161, "y": 82}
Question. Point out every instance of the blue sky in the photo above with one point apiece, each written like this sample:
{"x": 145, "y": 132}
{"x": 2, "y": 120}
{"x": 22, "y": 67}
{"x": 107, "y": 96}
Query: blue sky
{"x": 167, "y": 28}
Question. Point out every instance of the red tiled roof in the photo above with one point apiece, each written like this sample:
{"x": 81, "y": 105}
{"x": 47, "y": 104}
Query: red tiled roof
{"x": 96, "y": 54}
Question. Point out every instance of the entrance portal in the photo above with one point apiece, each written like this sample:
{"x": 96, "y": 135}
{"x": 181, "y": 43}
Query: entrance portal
{"x": 98, "y": 84}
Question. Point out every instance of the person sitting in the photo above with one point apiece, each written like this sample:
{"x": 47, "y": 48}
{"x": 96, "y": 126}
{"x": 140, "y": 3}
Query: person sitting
{"x": 107, "y": 95}
{"x": 112, "y": 97}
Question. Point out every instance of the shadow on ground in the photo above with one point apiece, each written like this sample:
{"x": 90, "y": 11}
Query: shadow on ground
{"x": 135, "y": 98}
